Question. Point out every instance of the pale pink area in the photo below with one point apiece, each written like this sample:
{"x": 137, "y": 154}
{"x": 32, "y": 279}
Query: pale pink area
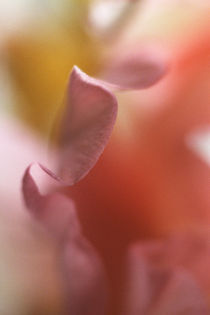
{"x": 19, "y": 147}
{"x": 28, "y": 266}
{"x": 28, "y": 269}
{"x": 166, "y": 22}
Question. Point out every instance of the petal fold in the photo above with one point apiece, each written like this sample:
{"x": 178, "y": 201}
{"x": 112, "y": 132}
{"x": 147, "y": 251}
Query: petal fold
{"x": 55, "y": 211}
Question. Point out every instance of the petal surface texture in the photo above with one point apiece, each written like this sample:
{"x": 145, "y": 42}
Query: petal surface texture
{"x": 86, "y": 126}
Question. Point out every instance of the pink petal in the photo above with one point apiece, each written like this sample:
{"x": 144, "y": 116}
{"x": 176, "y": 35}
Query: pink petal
{"x": 83, "y": 272}
{"x": 134, "y": 68}
{"x": 86, "y": 126}
{"x": 155, "y": 288}
{"x": 181, "y": 295}
{"x": 91, "y": 110}
{"x": 86, "y": 284}
{"x": 55, "y": 211}
{"x": 189, "y": 250}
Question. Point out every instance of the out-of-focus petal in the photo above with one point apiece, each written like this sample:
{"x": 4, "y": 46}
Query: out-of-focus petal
{"x": 181, "y": 295}
{"x": 86, "y": 126}
{"x": 190, "y": 251}
{"x": 155, "y": 287}
{"x": 83, "y": 274}
{"x": 136, "y": 67}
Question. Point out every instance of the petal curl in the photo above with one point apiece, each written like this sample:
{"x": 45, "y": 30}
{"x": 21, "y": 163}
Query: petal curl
{"x": 86, "y": 126}
{"x": 55, "y": 211}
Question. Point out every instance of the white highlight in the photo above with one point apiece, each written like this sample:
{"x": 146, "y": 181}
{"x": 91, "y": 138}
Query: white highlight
{"x": 104, "y": 13}
{"x": 199, "y": 142}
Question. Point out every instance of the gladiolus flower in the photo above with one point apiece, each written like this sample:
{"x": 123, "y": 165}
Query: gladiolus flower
{"x": 135, "y": 279}
{"x": 116, "y": 241}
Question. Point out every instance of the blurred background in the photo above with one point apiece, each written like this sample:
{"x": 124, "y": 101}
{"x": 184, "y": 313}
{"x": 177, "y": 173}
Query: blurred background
{"x": 40, "y": 41}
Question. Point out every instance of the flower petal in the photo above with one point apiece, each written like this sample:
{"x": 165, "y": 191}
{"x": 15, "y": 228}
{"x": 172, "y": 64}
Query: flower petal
{"x": 86, "y": 283}
{"x": 135, "y": 68}
{"x": 154, "y": 288}
{"x": 92, "y": 109}
{"x": 180, "y": 296}
{"x": 86, "y": 126}
{"x": 83, "y": 272}
{"x": 55, "y": 211}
